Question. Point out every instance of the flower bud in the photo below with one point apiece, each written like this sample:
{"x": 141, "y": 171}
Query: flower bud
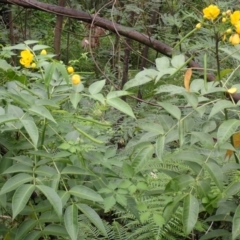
{"x": 43, "y": 52}
{"x": 198, "y": 26}
{"x": 70, "y": 69}
{"x": 76, "y": 79}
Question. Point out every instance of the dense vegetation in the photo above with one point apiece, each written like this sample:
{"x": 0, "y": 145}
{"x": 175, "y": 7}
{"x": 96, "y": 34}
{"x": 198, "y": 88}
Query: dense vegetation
{"x": 102, "y": 137}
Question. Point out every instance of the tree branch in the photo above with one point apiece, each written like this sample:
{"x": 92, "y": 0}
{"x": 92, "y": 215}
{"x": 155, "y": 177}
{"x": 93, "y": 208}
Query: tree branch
{"x": 106, "y": 24}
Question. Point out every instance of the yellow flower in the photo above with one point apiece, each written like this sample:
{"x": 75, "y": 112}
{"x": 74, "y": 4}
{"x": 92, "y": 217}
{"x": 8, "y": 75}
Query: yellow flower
{"x": 224, "y": 20}
{"x": 26, "y": 58}
{"x": 76, "y": 79}
{"x": 234, "y": 39}
{"x": 33, "y": 65}
{"x": 235, "y": 17}
{"x": 43, "y": 52}
{"x": 237, "y": 26}
{"x": 211, "y": 12}
{"x": 198, "y": 26}
{"x": 224, "y": 14}
{"x": 70, "y": 69}
{"x": 232, "y": 90}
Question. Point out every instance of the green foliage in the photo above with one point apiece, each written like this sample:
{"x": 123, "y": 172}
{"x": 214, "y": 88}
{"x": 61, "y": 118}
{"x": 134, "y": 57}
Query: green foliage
{"x": 79, "y": 162}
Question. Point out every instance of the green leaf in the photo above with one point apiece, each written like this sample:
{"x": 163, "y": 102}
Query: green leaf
{"x": 39, "y": 47}
{"x": 209, "y": 126}
{"x": 216, "y": 234}
{"x": 178, "y": 61}
{"x": 74, "y": 170}
{"x": 191, "y": 98}
{"x": 141, "y": 78}
{"x": 34, "y": 235}
{"x": 49, "y": 70}
{"x": 96, "y": 87}
{"x": 179, "y": 183}
{"x": 143, "y": 157}
{"x": 85, "y": 193}
{"x": 24, "y": 228}
{"x": 120, "y": 105}
{"x": 236, "y": 223}
{"x": 19, "y": 167}
{"x": 144, "y": 217}
{"x": 42, "y": 112}
{"x": 205, "y": 138}
{"x": 171, "y": 207}
{"x": 162, "y": 63}
{"x": 93, "y": 217}
{"x": 158, "y": 219}
{"x": 32, "y": 130}
{"x": 71, "y": 221}
{"x": 159, "y": 147}
{"x": 216, "y": 174}
{"x": 109, "y": 202}
{"x": 24, "y": 160}
{"x": 52, "y": 197}
{"x": 62, "y": 69}
{"x": 75, "y": 99}
{"x": 45, "y": 171}
{"x": 56, "y": 230}
{"x": 232, "y": 189}
{"x": 171, "y": 109}
{"x": 21, "y": 197}
{"x": 15, "y": 181}
{"x": 7, "y": 118}
{"x": 181, "y": 132}
{"x": 227, "y": 129}
{"x": 99, "y": 97}
{"x": 29, "y": 42}
{"x": 172, "y": 89}
{"x": 153, "y": 127}
{"x": 219, "y": 106}
{"x": 127, "y": 170}
{"x": 4, "y": 65}
{"x": 190, "y": 213}
{"x": 115, "y": 94}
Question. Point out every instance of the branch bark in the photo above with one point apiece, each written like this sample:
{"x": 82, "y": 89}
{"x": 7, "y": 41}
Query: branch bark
{"x": 106, "y": 24}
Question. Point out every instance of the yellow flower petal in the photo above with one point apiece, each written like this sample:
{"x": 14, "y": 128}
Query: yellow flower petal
{"x": 211, "y": 12}
{"x": 235, "y": 17}
{"x": 234, "y": 39}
